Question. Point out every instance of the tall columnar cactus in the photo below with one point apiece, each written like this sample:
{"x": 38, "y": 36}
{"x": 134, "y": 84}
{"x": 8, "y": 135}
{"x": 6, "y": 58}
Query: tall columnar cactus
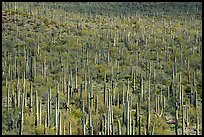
{"x": 85, "y": 83}
{"x": 109, "y": 96}
{"x": 130, "y": 121}
{"x": 148, "y": 115}
{"x": 25, "y": 93}
{"x": 123, "y": 98}
{"x": 180, "y": 90}
{"x": 40, "y": 109}
{"x": 119, "y": 127}
{"x": 58, "y": 97}
{"x": 113, "y": 91}
{"x": 176, "y": 122}
{"x": 91, "y": 130}
{"x": 45, "y": 125}
{"x": 164, "y": 104}
{"x": 141, "y": 88}
{"x": 48, "y": 110}
{"x": 68, "y": 95}
{"x": 194, "y": 81}
{"x": 183, "y": 120}
{"x": 70, "y": 84}
{"x": 36, "y": 108}
{"x": 75, "y": 78}
{"x": 188, "y": 69}
{"x": 70, "y": 128}
{"x": 34, "y": 68}
{"x": 104, "y": 90}
{"x": 59, "y": 127}
{"x": 127, "y": 118}
{"x": 83, "y": 110}
{"x": 44, "y": 69}
{"x": 21, "y": 114}
{"x": 83, "y": 126}
{"x": 139, "y": 128}
{"x": 91, "y": 93}
{"x": 31, "y": 96}
{"x": 134, "y": 87}
{"x": 56, "y": 117}
{"x": 195, "y": 98}
{"x": 105, "y": 128}
{"x": 118, "y": 100}
{"x": 108, "y": 122}
{"x": 133, "y": 127}
{"x": 81, "y": 98}
{"x": 187, "y": 116}
{"x": 167, "y": 88}
{"x": 175, "y": 66}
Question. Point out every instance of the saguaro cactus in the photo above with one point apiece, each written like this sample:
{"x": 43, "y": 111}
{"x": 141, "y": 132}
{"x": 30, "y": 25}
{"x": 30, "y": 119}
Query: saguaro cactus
{"x": 21, "y": 114}
{"x": 176, "y": 122}
{"x": 40, "y": 114}
{"x": 119, "y": 127}
{"x": 127, "y": 118}
{"x": 45, "y": 125}
{"x": 70, "y": 128}
{"x": 104, "y": 91}
{"x": 141, "y": 88}
{"x": 31, "y": 96}
{"x": 81, "y": 98}
{"x": 36, "y": 109}
{"x": 148, "y": 115}
{"x": 59, "y": 127}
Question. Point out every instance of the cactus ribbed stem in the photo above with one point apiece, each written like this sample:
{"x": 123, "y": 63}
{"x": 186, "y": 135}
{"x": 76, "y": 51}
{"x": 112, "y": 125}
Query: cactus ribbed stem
{"x": 81, "y": 98}
{"x": 183, "y": 120}
{"x": 148, "y": 115}
{"x": 176, "y": 122}
{"x": 70, "y": 128}
{"x": 118, "y": 101}
{"x": 83, "y": 126}
{"x": 139, "y": 129}
{"x": 91, "y": 130}
{"x": 104, "y": 93}
{"x": 127, "y": 118}
{"x": 56, "y": 117}
{"x": 70, "y": 84}
{"x": 195, "y": 98}
{"x": 21, "y": 114}
{"x": 45, "y": 125}
{"x": 76, "y": 78}
{"x": 108, "y": 123}
{"x": 48, "y": 109}
{"x": 36, "y": 109}
{"x": 59, "y": 127}
{"x": 119, "y": 127}
{"x": 40, "y": 114}
{"x": 91, "y": 94}
{"x": 31, "y": 96}
{"x": 105, "y": 129}
{"x": 141, "y": 88}
{"x": 67, "y": 97}
{"x": 123, "y": 99}
{"x": 133, "y": 127}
